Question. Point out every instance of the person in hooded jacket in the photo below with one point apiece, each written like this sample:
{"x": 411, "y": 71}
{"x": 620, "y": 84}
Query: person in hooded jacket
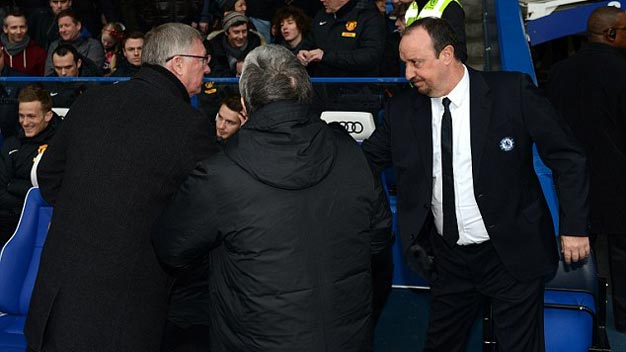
{"x": 287, "y": 216}
{"x": 16, "y": 157}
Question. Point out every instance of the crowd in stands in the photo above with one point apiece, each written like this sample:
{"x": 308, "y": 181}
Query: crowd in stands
{"x": 332, "y": 38}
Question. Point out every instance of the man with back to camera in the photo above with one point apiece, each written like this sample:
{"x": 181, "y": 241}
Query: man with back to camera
{"x": 287, "y": 216}
{"x": 38, "y": 125}
{"x": 588, "y": 90}
{"x": 21, "y": 52}
{"x": 461, "y": 146}
{"x": 109, "y": 172}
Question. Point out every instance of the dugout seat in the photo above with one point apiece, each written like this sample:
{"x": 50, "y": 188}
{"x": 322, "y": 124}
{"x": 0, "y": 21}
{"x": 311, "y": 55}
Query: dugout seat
{"x": 19, "y": 262}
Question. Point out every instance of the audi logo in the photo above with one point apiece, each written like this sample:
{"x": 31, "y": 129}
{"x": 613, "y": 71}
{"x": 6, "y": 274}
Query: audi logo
{"x": 352, "y": 126}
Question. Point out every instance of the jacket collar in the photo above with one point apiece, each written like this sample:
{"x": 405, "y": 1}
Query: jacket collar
{"x": 161, "y": 77}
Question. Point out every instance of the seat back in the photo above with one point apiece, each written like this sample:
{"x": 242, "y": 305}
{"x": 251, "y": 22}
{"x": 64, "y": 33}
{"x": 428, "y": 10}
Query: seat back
{"x": 19, "y": 259}
{"x": 359, "y": 124}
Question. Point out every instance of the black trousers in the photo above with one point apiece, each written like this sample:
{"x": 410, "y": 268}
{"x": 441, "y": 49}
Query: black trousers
{"x": 467, "y": 275}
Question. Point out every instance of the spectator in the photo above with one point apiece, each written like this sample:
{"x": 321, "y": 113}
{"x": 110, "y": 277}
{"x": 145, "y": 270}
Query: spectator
{"x": 43, "y": 22}
{"x": 231, "y": 45}
{"x": 230, "y": 117}
{"x": 109, "y": 173}
{"x": 20, "y": 51}
{"x": 38, "y": 125}
{"x": 68, "y": 63}
{"x": 348, "y": 40}
{"x": 132, "y": 47}
{"x": 588, "y": 90}
{"x": 69, "y": 32}
{"x": 289, "y": 267}
{"x": 111, "y": 40}
{"x": 8, "y": 100}
{"x": 292, "y": 27}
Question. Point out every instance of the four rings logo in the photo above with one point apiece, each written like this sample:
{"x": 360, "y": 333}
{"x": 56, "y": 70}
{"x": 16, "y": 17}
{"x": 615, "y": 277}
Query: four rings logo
{"x": 352, "y": 126}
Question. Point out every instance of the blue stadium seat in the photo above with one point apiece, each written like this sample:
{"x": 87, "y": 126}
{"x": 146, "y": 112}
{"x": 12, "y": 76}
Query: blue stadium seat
{"x": 19, "y": 262}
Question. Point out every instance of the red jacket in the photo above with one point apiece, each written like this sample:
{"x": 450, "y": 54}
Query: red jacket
{"x": 31, "y": 60}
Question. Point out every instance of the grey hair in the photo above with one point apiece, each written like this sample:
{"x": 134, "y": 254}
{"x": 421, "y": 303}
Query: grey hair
{"x": 272, "y": 73}
{"x": 168, "y": 40}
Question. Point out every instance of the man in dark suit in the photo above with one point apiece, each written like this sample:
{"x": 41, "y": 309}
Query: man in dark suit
{"x": 461, "y": 146}
{"x": 121, "y": 154}
{"x": 588, "y": 90}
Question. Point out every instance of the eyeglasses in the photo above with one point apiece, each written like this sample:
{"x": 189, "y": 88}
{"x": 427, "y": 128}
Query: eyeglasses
{"x": 205, "y": 59}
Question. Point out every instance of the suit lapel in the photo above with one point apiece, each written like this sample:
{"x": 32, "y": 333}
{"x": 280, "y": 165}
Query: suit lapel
{"x": 480, "y": 115}
{"x": 421, "y": 117}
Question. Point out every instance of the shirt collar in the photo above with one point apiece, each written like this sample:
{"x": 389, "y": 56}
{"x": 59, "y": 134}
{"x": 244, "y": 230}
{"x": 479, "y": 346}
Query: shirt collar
{"x": 459, "y": 92}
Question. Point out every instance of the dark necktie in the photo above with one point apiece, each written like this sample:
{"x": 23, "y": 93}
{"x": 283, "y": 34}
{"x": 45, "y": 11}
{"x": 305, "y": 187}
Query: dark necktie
{"x": 450, "y": 229}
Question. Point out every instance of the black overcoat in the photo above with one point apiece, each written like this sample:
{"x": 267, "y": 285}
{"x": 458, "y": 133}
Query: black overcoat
{"x": 109, "y": 172}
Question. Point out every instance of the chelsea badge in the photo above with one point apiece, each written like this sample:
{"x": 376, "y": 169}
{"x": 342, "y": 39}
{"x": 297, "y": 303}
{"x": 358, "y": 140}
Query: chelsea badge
{"x": 507, "y": 144}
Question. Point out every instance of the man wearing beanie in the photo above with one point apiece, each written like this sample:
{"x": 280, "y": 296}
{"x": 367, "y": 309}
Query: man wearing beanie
{"x": 231, "y": 45}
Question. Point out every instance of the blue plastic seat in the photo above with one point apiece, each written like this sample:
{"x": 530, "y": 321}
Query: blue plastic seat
{"x": 19, "y": 262}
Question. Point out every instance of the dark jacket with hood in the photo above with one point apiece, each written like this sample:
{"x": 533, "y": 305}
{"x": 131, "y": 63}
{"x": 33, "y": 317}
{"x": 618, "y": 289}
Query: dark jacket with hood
{"x": 288, "y": 216}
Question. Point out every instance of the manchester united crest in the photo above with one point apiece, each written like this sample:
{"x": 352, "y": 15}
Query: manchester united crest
{"x": 351, "y": 25}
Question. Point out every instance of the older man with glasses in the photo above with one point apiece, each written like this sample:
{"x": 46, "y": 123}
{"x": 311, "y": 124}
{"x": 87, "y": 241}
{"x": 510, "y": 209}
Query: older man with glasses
{"x": 125, "y": 150}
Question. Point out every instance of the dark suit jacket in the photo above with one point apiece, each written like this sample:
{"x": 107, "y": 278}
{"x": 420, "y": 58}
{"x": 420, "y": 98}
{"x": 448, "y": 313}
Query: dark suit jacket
{"x": 109, "y": 171}
{"x": 506, "y": 188}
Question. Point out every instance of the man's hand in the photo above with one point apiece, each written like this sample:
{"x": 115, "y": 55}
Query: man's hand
{"x": 307, "y": 56}
{"x": 303, "y": 57}
{"x": 315, "y": 55}
{"x": 574, "y": 248}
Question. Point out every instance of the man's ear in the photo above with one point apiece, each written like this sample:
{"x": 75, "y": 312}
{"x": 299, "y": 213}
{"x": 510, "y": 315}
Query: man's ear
{"x": 175, "y": 66}
{"x": 244, "y": 111}
{"x": 5, "y": 29}
{"x": 447, "y": 54}
{"x": 79, "y": 63}
{"x": 48, "y": 116}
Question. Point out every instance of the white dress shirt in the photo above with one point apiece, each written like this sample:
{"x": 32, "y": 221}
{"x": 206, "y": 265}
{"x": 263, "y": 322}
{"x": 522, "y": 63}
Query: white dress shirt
{"x": 469, "y": 220}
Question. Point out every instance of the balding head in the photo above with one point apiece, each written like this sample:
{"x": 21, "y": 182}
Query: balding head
{"x": 605, "y": 25}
